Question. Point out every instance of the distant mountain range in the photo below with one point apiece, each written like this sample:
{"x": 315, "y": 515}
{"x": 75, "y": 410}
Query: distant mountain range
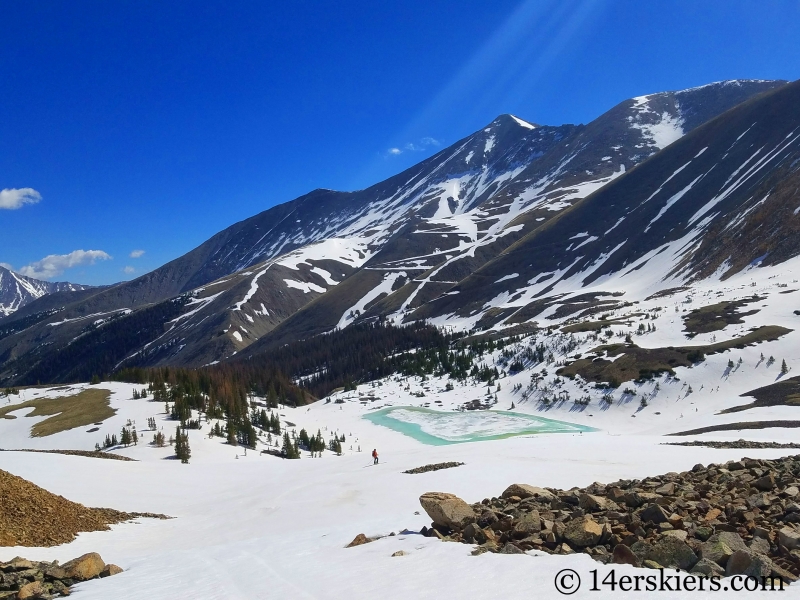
{"x": 17, "y": 290}
{"x": 510, "y": 225}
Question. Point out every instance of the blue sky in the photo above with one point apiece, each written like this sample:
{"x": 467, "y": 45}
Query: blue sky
{"x": 133, "y": 131}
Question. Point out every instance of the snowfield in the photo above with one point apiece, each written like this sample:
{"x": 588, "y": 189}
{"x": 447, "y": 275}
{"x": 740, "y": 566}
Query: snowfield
{"x": 249, "y": 525}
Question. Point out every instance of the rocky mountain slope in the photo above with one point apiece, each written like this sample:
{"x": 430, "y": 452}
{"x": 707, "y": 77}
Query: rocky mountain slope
{"x": 435, "y": 241}
{"x": 17, "y": 290}
{"x": 721, "y": 199}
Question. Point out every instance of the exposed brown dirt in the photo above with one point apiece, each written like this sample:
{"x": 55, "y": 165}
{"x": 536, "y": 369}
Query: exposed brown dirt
{"x": 86, "y": 453}
{"x": 32, "y": 516}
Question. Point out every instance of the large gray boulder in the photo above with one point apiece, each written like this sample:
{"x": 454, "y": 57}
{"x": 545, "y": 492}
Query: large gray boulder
{"x": 669, "y": 551}
{"x": 747, "y": 562}
{"x": 523, "y": 490}
{"x": 789, "y": 538}
{"x": 708, "y": 568}
{"x": 721, "y": 546}
{"x": 447, "y": 510}
{"x": 624, "y": 556}
{"x": 583, "y": 532}
{"x": 653, "y": 513}
{"x": 527, "y": 524}
{"x": 591, "y": 502}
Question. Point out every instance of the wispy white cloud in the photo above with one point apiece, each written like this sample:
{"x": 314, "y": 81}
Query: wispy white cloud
{"x": 6, "y": 266}
{"x": 128, "y": 269}
{"x": 14, "y": 198}
{"x": 136, "y": 253}
{"x": 55, "y": 264}
{"x": 420, "y": 146}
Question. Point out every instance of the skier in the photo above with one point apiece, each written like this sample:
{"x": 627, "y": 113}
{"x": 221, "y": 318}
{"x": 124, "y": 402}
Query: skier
{"x": 374, "y": 456}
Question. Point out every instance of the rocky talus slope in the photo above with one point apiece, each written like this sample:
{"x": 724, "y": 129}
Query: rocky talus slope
{"x": 23, "y": 579}
{"x": 737, "y": 518}
{"x": 32, "y": 516}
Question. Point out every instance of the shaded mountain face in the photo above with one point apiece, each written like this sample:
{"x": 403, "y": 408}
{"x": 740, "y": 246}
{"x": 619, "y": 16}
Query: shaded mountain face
{"x": 722, "y": 199}
{"x": 17, "y": 290}
{"x": 408, "y": 247}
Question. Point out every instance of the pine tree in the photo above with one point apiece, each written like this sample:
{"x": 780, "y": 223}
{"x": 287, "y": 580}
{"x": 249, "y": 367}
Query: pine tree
{"x": 182, "y": 451}
{"x": 187, "y": 452}
{"x": 178, "y": 442}
{"x": 304, "y": 440}
{"x": 784, "y": 368}
{"x": 125, "y": 437}
{"x": 135, "y": 437}
{"x": 289, "y": 450}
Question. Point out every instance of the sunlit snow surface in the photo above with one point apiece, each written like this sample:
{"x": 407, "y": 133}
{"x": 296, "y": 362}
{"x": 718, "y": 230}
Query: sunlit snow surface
{"x": 438, "y": 428}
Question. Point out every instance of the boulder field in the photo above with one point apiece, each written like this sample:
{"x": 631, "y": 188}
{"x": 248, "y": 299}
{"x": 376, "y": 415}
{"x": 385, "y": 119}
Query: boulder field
{"x": 737, "y": 518}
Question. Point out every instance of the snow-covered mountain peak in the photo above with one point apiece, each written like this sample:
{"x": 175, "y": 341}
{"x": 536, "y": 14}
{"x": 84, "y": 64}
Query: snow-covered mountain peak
{"x": 456, "y": 236}
{"x": 524, "y": 124}
{"x": 17, "y": 290}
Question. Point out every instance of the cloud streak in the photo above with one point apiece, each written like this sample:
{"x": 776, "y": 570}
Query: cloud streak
{"x": 14, "y": 198}
{"x": 137, "y": 253}
{"x": 420, "y": 146}
{"x": 55, "y": 264}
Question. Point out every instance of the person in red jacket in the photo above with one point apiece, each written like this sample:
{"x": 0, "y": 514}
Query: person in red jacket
{"x": 374, "y": 456}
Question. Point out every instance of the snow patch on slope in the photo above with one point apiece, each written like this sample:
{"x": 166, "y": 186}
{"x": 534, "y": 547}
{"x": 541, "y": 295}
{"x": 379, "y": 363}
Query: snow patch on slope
{"x": 304, "y": 287}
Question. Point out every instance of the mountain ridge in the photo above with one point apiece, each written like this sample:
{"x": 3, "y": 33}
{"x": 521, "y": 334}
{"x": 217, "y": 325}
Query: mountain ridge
{"x": 394, "y": 249}
{"x": 18, "y": 290}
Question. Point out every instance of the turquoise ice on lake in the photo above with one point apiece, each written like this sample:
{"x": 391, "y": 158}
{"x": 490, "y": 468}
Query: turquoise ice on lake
{"x": 438, "y": 428}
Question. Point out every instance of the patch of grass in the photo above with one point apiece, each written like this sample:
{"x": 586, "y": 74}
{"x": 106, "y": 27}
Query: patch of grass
{"x": 631, "y": 362}
{"x": 584, "y": 308}
{"x": 717, "y": 317}
{"x": 532, "y": 309}
{"x": 765, "y": 333}
{"x": 781, "y": 393}
{"x": 598, "y": 325}
{"x": 521, "y": 330}
{"x": 667, "y": 292}
{"x": 66, "y": 412}
{"x": 739, "y": 426}
{"x": 634, "y": 363}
